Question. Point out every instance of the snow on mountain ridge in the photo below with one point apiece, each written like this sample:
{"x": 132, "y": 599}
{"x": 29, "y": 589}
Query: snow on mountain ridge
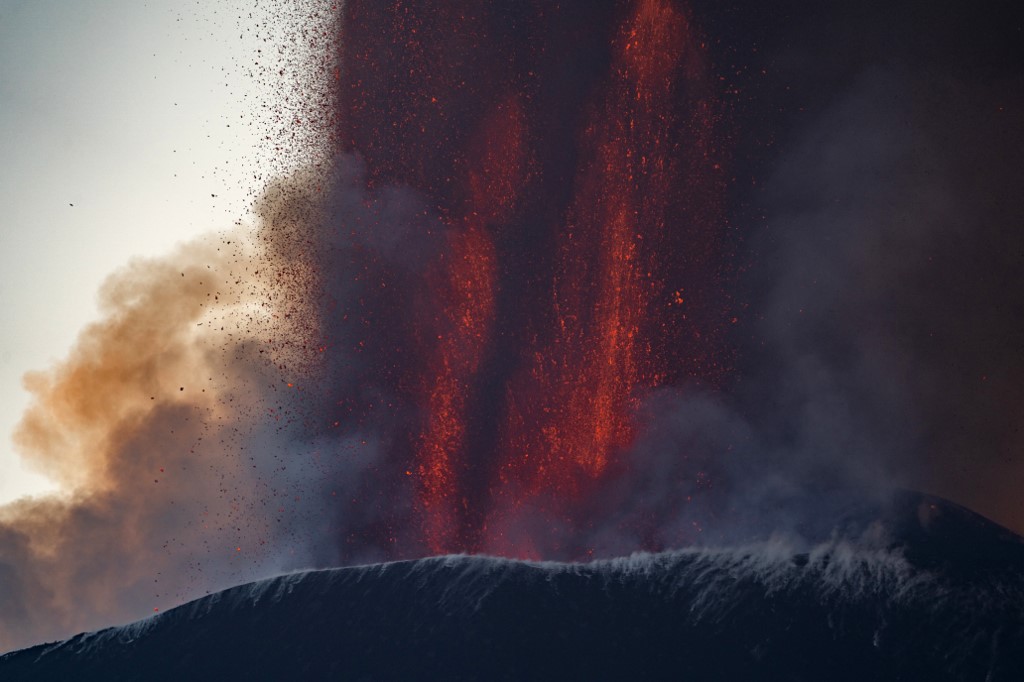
{"x": 864, "y": 604}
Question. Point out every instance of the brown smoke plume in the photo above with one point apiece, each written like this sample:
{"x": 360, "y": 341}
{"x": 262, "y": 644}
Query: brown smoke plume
{"x": 161, "y": 427}
{"x": 171, "y": 424}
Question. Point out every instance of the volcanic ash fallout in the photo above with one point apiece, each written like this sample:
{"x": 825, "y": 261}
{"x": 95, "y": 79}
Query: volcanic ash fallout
{"x": 441, "y": 340}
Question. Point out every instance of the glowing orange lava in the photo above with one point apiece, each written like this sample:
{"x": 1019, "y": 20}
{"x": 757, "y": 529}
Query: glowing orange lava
{"x": 468, "y": 317}
{"x": 579, "y": 180}
{"x": 573, "y": 412}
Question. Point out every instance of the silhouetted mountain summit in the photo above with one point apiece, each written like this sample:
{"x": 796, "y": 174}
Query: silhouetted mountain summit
{"x": 939, "y": 535}
{"x": 916, "y": 589}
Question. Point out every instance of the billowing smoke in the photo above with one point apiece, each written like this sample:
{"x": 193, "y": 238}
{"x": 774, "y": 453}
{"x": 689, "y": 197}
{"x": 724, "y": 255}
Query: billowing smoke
{"x": 887, "y": 329}
{"x": 212, "y": 428}
{"x": 402, "y": 357}
{"x": 164, "y": 429}
{"x": 877, "y": 180}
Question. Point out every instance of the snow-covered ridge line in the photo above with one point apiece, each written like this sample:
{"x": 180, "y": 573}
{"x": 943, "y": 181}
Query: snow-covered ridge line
{"x": 924, "y": 591}
{"x": 836, "y": 570}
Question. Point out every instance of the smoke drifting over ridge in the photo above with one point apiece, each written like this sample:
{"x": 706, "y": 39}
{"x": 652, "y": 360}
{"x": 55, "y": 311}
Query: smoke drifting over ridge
{"x": 890, "y": 267}
{"x": 164, "y": 428}
{"x": 254, "y": 404}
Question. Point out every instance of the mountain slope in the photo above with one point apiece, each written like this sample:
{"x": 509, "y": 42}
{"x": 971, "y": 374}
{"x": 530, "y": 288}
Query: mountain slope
{"x": 921, "y": 590}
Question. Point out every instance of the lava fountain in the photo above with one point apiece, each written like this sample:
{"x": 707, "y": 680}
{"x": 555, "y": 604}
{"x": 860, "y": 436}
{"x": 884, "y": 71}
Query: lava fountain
{"x": 575, "y": 155}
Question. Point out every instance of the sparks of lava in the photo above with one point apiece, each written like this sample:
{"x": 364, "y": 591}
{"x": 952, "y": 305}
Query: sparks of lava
{"x": 583, "y": 214}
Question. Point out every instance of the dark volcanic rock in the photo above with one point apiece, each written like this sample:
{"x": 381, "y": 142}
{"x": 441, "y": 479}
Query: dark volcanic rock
{"x": 919, "y": 590}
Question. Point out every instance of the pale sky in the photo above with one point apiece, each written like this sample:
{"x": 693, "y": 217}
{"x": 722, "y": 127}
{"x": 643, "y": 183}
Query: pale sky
{"x": 135, "y": 113}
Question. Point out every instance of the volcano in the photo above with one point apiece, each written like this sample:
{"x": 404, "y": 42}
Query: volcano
{"x": 557, "y": 283}
{"x": 916, "y": 588}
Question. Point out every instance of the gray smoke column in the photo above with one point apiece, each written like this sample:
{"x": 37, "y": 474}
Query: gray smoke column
{"x": 888, "y": 280}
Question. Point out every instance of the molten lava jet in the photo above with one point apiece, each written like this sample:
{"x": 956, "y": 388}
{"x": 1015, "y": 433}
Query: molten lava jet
{"x": 573, "y": 153}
